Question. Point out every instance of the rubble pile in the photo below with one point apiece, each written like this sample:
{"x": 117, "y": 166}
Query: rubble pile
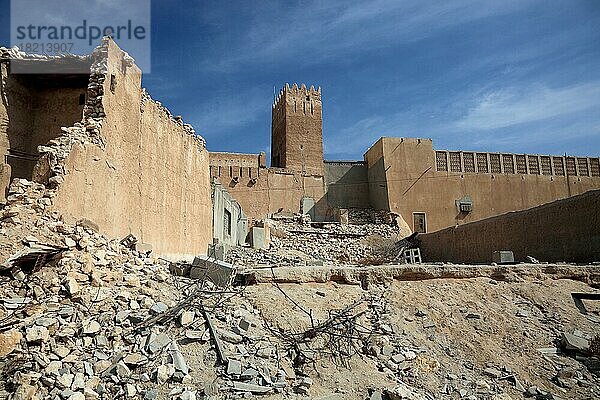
{"x": 85, "y": 317}
{"x": 335, "y": 244}
{"x": 362, "y": 216}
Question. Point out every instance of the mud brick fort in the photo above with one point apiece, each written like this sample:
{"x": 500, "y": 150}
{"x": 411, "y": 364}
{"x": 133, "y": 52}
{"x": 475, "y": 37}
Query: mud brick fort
{"x": 429, "y": 189}
{"x": 110, "y": 153}
{"x": 136, "y": 264}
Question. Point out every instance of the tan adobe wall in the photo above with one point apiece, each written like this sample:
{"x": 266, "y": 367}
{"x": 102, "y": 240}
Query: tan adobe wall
{"x": 269, "y": 189}
{"x": 405, "y": 171}
{"x": 564, "y": 230}
{"x": 297, "y": 130}
{"x": 151, "y": 178}
{"x": 347, "y": 184}
{"x": 378, "y": 191}
{"x": 234, "y": 165}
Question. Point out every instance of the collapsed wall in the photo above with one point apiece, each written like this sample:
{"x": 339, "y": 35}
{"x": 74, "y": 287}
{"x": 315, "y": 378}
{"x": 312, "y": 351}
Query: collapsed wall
{"x": 128, "y": 165}
{"x": 563, "y": 230}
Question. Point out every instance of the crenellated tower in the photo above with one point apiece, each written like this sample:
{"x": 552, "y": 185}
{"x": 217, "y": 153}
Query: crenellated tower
{"x": 297, "y": 130}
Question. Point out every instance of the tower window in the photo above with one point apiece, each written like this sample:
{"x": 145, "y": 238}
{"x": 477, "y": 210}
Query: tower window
{"x": 312, "y": 111}
{"x": 295, "y": 107}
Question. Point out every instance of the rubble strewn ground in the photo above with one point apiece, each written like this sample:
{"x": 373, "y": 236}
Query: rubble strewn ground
{"x": 294, "y": 243}
{"x": 103, "y": 321}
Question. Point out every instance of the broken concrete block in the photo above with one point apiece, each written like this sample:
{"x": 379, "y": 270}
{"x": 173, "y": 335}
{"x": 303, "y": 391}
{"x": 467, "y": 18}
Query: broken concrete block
{"x": 177, "y": 358}
{"x": 155, "y": 343}
{"x": 249, "y": 387}
{"x": 143, "y": 248}
{"x": 230, "y": 337}
{"x": 398, "y": 358}
{"x": 121, "y": 370}
{"x": 164, "y": 372}
{"x": 503, "y": 257}
{"x": 135, "y": 359}
{"x": 493, "y": 372}
{"x": 186, "y": 318}
{"x": 90, "y": 326}
{"x": 258, "y": 238}
{"x": 159, "y": 308}
{"x": 249, "y": 374}
{"x": 575, "y": 343}
{"x": 37, "y": 334}
{"x": 387, "y": 350}
{"x": 72, "y": 286}
{"x": 234, "y": 367}
{"x": 376, "y": 395}
{"x": 216, "y": 251}
{"x": 218, "y": 272}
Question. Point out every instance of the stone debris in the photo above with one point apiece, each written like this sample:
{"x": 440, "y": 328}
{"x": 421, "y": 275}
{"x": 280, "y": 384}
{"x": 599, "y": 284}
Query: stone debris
{"x": 294, "y": 244}
{"x": 100, "y": 319}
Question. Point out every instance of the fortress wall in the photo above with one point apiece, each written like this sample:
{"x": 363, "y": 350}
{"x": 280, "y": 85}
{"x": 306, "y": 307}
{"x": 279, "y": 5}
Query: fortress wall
{"x": 405, "y": 169}
{"x": 262, "y": 191}
{"x": 563, "y": 230}
{"x": 151, "y": 178}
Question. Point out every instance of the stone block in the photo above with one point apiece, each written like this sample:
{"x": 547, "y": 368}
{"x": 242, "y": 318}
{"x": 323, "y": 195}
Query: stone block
{"x": 217, "y": 251}
{"x": 503, "y": 257}
{"x": 219, "y": 272}
{"x": 143, "y": 248}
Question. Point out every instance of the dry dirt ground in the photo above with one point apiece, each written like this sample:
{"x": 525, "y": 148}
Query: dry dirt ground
{"x": 460, "y": 327}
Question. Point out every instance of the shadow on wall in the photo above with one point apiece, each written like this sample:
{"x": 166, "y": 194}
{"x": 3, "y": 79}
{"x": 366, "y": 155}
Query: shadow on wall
{"x": 563, "y": 230}
{"x": 347, "y": 185}
{"x": 40, "y": 104}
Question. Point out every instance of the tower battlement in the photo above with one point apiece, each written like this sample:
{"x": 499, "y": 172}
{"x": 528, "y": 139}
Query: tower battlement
{"x": 297, "y": 129}
{"x": 296, "y": 90}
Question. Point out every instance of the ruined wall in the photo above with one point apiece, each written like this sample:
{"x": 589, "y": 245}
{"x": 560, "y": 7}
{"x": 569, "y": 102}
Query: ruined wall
{"x": 39, "y": 105}
{"x": 347, "y": 184}
{"x": 563, "y": 230}
{"x": 230, "y": 224}
{"x": 407, "y": 170}
{"x": 149, "y": 176}
{"x": 297, "y": 130}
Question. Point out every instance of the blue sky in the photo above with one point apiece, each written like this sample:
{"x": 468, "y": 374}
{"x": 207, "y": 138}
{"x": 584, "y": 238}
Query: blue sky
{"x": 513, "y": 76}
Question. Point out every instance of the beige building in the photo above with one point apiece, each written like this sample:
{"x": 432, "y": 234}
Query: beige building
{"x": 430, "y": 189}
{"x": 105, "y": 149}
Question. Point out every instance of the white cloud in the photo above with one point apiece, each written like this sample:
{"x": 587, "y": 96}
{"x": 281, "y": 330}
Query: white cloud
{"x": 512, "y": 106}
{"x": 320, "y": 30}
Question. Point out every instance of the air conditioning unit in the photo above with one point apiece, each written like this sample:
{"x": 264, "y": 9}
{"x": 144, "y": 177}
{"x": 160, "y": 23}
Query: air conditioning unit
{"x": 464, "y": 205}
